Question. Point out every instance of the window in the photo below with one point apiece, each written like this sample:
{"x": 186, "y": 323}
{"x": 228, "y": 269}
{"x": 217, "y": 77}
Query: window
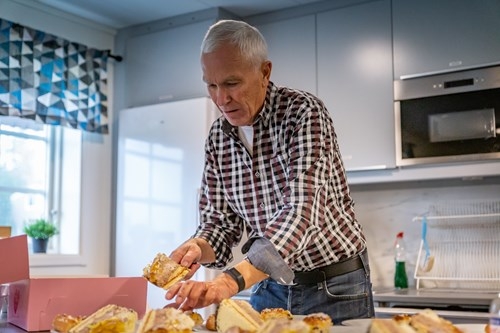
{"x": 39, "y": 177}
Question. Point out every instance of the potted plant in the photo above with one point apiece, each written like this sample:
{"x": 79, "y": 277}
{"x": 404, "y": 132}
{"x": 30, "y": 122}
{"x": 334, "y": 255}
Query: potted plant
{"x": 40, "y": 231}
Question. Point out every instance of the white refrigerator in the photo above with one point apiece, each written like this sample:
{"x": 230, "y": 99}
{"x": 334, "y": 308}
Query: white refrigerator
{"x": 159, "y": 165}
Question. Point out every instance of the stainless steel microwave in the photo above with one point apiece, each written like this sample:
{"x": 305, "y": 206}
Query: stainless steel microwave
{"x": 450, "y": 117}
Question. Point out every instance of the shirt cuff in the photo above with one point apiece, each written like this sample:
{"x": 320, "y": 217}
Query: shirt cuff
{"x": 263, "y": 255}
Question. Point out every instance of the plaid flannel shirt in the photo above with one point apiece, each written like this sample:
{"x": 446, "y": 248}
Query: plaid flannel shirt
{"x": 292, "y": 191}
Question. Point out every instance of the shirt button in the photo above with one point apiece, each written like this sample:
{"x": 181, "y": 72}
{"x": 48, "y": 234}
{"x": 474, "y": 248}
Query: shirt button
{"x": 257, "y": 174}
{"x": 262, "y": 205}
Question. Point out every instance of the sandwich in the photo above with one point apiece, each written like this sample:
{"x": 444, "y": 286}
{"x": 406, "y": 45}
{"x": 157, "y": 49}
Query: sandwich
{"x": 108, "y": 319}
{"x": 166, "y": 320}
{"x": 164, "y": 272}
{"x": 237, "y": 314}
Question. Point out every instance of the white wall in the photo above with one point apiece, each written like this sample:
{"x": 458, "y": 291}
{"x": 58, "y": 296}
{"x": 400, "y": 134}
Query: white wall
{"x": 385, "y": 210}
{"x": 95, "y": 216}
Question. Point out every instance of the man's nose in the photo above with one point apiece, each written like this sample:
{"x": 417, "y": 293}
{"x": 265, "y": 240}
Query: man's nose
{"x": 222, "y": 96}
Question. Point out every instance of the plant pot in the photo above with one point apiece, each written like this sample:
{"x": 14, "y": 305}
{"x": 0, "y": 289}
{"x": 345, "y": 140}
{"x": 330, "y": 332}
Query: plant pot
{"x": 40, "y": 245}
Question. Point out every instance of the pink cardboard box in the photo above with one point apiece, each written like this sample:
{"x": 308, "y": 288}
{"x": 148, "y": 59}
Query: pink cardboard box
{"x": 34, "y": 302}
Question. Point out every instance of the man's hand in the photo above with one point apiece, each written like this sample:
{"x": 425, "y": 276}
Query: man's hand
{"x": 191, "y": 295}
{"x": 191, "y": 253}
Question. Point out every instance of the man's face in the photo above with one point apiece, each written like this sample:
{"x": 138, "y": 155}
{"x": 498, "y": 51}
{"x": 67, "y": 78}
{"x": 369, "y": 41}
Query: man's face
{"x": 237, "y": 87}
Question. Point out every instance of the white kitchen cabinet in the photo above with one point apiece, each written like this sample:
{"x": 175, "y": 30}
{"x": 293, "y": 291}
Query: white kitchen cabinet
{"x": 355, "y": 81}
{"x": 435, "y": 36}
{"x": 164, "y": 65}
{"x": 292, "y": 49}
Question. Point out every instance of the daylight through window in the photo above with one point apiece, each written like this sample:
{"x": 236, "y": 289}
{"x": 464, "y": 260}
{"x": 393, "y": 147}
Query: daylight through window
{"x": 37, "y": 168}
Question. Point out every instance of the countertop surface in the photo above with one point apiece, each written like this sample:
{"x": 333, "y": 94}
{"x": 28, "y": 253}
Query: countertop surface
{"x": 8, "y": 328}
{"x": 384, "y": 297}
{"x": 444, "y": 297}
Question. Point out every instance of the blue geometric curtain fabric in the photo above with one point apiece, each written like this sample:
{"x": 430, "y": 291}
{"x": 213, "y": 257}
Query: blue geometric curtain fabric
{"x": 52, "y": 80}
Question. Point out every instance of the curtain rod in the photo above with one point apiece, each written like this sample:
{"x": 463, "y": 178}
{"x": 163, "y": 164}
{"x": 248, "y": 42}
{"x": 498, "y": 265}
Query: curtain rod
{"x": 114, "y": 56}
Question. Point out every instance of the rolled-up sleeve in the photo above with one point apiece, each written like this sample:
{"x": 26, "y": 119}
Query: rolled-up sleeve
{"x": 263, "y": 255}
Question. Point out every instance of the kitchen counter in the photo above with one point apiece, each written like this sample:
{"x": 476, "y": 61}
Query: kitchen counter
{"x": 9, "y": 328}
{"x": 472, "y": 299}
{"x": 458, "y": 306}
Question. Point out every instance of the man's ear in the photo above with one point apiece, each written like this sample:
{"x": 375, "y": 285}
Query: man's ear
{"x": 265, "y": 69}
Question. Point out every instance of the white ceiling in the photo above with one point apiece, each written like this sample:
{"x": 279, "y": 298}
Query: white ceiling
{"x": 123, "y": 13}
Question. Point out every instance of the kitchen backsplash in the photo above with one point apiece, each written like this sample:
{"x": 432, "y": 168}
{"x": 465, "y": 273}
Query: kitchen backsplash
{"x": 386, "y": 209}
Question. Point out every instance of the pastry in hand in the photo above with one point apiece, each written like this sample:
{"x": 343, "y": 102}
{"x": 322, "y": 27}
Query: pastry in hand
{"x": 164, "y": 272}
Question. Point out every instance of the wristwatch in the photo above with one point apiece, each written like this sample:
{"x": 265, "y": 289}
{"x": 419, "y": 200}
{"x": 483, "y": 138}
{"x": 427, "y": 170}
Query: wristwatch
{"x": 233, "y": 272}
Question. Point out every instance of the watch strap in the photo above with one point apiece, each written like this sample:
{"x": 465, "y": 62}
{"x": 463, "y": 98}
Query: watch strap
{"x": 233, "y": 273}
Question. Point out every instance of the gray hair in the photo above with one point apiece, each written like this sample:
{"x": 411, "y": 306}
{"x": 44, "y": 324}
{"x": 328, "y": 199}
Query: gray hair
{"x": 247, "y": 38}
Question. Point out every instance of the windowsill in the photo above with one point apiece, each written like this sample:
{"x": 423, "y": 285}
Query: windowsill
{"x": 56, "y": 260}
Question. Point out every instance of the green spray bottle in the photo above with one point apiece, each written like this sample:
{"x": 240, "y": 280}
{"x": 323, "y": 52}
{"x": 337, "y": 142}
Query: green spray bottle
{"x": 400, "y": 277}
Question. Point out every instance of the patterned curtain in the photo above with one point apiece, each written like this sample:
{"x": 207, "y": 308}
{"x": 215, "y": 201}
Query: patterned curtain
{"x": 51, "y": 80}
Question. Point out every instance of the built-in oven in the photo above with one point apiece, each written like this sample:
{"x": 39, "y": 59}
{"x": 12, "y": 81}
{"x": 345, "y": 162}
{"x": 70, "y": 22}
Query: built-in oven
{"x": 448, "y": 117}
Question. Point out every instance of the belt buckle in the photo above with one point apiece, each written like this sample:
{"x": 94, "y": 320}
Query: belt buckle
{"x": 285, "y": 284}
{"x": 293, "y": 284}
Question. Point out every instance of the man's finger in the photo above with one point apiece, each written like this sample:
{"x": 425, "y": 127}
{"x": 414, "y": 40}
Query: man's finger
{"x": 172, "y": 291}
{"x": 192, "y": 270}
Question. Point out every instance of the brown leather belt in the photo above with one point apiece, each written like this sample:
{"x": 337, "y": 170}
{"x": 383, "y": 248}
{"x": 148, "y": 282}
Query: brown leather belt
{"x": 323, "y": 273}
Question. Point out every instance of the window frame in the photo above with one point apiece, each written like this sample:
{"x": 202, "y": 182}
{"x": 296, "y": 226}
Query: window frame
{"x": 59, "y": 144}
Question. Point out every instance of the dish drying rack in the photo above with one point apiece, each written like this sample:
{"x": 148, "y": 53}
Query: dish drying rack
{"x": 464, "y": 239}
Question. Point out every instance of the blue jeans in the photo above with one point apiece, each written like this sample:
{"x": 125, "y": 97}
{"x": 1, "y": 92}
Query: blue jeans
{"x": 343, "y": 297}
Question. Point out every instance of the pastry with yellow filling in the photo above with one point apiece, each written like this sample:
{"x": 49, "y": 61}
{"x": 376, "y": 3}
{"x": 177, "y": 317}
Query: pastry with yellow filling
{"x": 164, "y": 272}
{"x": 425, "y": 321}
{"x": 211, "y": 324}
{"x": 108, "y": 319}
{"x": 166, "y": 320}
{"x": 318, "y": 322}
{"x": 272, "y": 313}
{"x": 284, "y": 325}
{"x": 384, "y": 325}
{"x": 429, "y": 321}
{"x": 195, "y": 316}
{"x": 62, "y": 323}
{"x": 237, "y": 313}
